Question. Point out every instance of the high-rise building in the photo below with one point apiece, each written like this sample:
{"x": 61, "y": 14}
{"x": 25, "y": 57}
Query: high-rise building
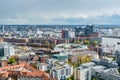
{"x": 65, "y": 34}
{"x": 84, "y": 31}
{"x": 6, "y": 50}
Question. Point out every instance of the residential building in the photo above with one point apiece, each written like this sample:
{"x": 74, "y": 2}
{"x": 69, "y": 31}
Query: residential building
{"x": 16, "y": 40}
{"x": 42, "y": 66}
{"x": 22, "y": 71}
{"x": 6, "y": 50}
{"x": 61, "y": 70}
{"x": 43, "y": 58}
{"x": 50, "y": 62}
{"x": 3, "y": 62}
{"x": 73, "y": 57}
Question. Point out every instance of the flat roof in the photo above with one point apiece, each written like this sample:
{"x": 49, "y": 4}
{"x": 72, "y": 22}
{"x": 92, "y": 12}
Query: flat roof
{"x": 99, "y": 67}
{"x": 88, "y": 64}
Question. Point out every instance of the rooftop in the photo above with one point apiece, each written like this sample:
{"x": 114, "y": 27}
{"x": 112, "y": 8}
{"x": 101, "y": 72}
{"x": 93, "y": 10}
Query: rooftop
{"x": 22, "y": 69}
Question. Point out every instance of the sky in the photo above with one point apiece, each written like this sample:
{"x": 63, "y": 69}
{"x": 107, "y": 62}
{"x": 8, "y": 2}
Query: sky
{"x": 59, "y": 11}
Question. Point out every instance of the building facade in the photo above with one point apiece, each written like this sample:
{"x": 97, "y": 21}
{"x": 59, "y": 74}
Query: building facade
{"x": 84, "y": 31}
{"x": 6, "y": 50}
{"x": 59, "y": 72}
{"x": 103, "y": 69}
{"x": 65, "y": 34}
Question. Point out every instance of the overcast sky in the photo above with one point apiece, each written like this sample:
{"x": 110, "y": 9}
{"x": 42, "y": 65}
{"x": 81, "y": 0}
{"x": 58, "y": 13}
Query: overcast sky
{"x": 59, "y": 11}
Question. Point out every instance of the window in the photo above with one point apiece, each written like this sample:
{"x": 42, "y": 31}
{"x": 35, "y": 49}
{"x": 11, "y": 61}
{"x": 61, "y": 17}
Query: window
{"x": 62, "y": 72}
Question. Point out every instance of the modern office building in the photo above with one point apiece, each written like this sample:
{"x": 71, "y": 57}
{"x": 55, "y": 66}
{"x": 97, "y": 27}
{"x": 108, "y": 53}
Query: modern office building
{"x": 102, "y": 69}
{"x": 84, "y": 31}
{"x": 65, "y": 34}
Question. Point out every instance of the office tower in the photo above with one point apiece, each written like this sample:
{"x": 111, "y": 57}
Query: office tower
{"x": 65, "y": 34}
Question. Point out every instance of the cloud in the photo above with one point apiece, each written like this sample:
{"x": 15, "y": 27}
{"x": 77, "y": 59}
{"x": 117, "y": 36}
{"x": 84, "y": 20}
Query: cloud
{"x": 59, "y": 11}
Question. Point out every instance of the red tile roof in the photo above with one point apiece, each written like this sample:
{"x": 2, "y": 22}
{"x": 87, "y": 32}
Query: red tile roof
{"x": 22, "y": 70}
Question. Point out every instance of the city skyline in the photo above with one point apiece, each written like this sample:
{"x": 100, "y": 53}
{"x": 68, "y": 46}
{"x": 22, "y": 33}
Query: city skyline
{"x": 59, "y": 12}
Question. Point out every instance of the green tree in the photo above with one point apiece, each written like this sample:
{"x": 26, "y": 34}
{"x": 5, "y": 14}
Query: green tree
{"x": 85, "y": 59}
{"x": 77, "y": 42}
{"x": 88, "y": 58}
{"x": 93, "y": 78}
{"x": 35, "y": 66}
{"x": 86, "y": 42}
{"x": 95, "y": 43}
{"x": 11, "y": 60}
{"x": 71, "y": 77}
{"x": 75, "y": 65}
{"x": 79, "y": 59}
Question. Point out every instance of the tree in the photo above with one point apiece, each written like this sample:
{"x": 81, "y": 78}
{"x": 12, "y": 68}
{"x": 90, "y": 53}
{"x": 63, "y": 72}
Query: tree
{"x": 78, "y": 42}
{"x": 86, "y": 42}
{"x": 35, "y": 66}
{"x": 11, "y": 60}
{"x": 75, "y": 65}
{"x": 93, "y": 78}
{"x": 95, "y": 43}
{"x": 71, "y": 77}
{"x": 85, "y": 59}
{"x": 79, "y": 59}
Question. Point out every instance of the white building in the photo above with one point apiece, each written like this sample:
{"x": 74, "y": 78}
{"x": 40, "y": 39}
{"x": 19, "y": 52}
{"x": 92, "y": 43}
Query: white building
{"x": 6, "y": 49}
{"x": 9, "y": 50}
{"x": 83, "y": 73}
{"x": 58, "y": 71}
{"x": 71, "y": 34}
{"x": 103, "y": 69}
{"x": 69, "y": 47}
{"x": 42, "y": 66}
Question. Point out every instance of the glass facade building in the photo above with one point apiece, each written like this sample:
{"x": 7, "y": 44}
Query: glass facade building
{"x": 84, "y": 31}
